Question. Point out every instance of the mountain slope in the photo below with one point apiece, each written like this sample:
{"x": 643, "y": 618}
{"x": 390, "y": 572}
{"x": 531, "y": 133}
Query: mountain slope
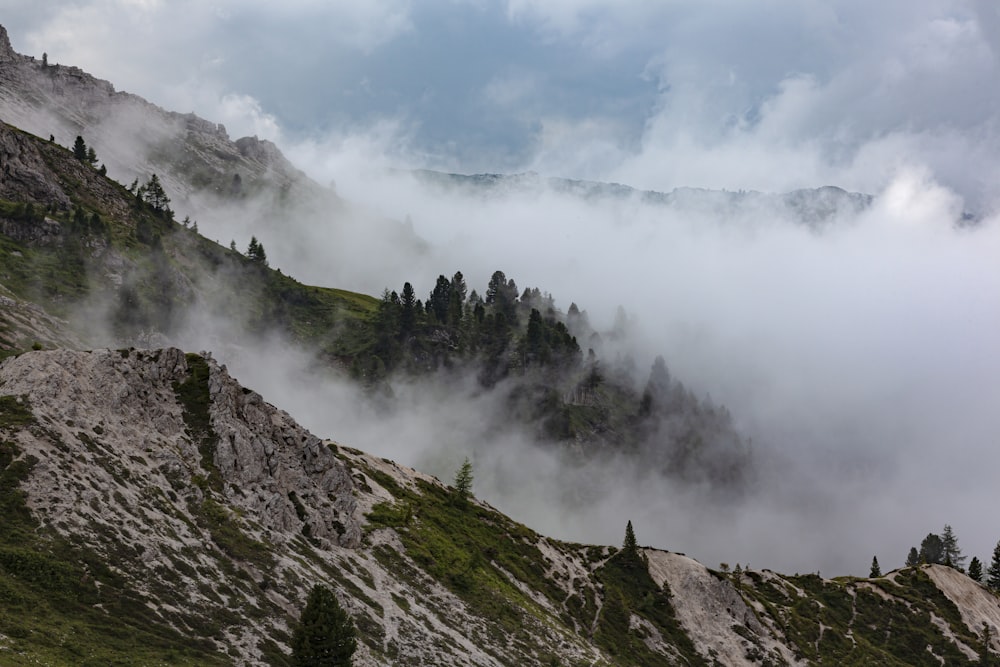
{"x": 152, "y": 499}
{"x": 239, "y": 188}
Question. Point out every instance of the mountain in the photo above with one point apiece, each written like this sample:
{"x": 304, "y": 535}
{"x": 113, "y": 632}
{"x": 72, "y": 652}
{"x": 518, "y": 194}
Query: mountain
{"x": 157, "y": 511}
{"x": 814, "y": 207}
{"x": 240, "y": 187}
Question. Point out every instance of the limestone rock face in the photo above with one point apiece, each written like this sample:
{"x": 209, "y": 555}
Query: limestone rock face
{"x": 263, "y": 457}
{"x": 6, "y": 52}
{"x": 133, "y": 137}
{"x": 24, "y": 174}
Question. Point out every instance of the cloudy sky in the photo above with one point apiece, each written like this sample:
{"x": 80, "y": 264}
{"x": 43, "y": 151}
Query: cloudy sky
{"x": 864, "y": 359}
{"x": 768, "y": 95}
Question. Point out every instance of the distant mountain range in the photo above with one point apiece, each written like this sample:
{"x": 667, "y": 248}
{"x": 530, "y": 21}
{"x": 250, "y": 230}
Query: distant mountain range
{"x": 811, "y": 206}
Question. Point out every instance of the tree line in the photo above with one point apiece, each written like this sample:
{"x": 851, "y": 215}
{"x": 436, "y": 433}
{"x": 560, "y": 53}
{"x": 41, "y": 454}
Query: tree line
{"x": 942, "y": 549}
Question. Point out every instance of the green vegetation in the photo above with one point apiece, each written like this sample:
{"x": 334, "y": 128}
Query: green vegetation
{"x": 193, "y": 395}
{"x": 993, "y": 571}
{"x": 60, "y": 603}
{"x": 475, "y": 552}
{"x": 325, "y": 634}
{"x": 844, "y": 623}
{"x": 630, "y": 591}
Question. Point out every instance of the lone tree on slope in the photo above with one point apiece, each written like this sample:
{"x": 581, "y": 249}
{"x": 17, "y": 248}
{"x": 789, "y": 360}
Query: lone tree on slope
{"x": 325, "y": 635}
{"x": 875, "y": 571}
{"x": 463, "y": 481}
{"x": 629, "y": 546}
{"x": 80, "y": 149}
{"x": 630, "y": 554}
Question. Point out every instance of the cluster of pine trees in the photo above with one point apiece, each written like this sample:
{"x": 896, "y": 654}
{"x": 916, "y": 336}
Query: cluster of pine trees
{"x": 502, "y": 331}
{"x": 521, "y": 339}
{"x": 87, "y": 154}
{"x": 943, "y": 549}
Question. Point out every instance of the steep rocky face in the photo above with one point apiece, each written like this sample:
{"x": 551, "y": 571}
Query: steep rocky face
{"x": 133, "y": 137}
{"x": 6, "y": 51}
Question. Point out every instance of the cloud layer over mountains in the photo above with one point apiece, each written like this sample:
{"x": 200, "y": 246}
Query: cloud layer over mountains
{"x": 714, "y": 94}
{"x": 860, "y": 355}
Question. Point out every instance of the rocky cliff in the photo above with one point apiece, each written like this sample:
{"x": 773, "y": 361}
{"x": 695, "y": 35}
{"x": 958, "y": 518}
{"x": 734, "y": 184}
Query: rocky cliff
{"x": 148, "y": 494}
{"x": 134, "y": 137}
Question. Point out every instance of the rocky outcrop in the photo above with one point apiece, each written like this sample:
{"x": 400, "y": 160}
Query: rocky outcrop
{"x": 6, "y": 51}
{"x": 24, "y": 176}
{"x": 133, "y": 137}
{"x": 714, "y": 614}
{"x": 261, "y": 455}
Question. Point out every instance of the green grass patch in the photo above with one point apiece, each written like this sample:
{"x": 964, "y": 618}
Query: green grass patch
{"x": 60, "y": 603}
{"x": 193, "y": 396}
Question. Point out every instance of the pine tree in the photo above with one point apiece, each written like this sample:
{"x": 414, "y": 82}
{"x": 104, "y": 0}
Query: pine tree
{"x": 993, "y": 573}
{"x": 875, "y": 571}
{"x": 463, "y": 480}
{"x": 631, "y": 556}
{"x": 976, "y": 570}
{"x": 408, "y": 315}
{"x": 949, "y": 548}
{"x": 255, "y": 252}
{"x": 80, "y": 149}
{"x": 153, "y": 194}
{"x": 325, "y": 635}
{"x": 629, "y": 546}
{"x": 932, "y": 549}
{"x": 913, "y": 558}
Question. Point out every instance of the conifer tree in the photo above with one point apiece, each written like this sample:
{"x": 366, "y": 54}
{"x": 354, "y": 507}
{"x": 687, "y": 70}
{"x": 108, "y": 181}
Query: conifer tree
{"x": 993, "y": 572}
{"x": 629, "y": 546}
{"x": 631, "y": 556}
{"x": 463, "y": 480}
{"x": 325, "y": 635}
{"x": 408, "y": 314}
{"x": 875, "y": 571}
{"x": 932, "y": 549}
{"x": 256, "y": 253}
{"x": 153, "y": 194}
{"x": 80, "y": 149}
{"x": 949, "y": 548}
{"x": 913, "y": 558}
{"x": 976, "y": 570}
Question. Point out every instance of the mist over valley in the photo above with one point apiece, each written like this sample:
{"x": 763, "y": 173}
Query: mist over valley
{"x": 748, "y": 304}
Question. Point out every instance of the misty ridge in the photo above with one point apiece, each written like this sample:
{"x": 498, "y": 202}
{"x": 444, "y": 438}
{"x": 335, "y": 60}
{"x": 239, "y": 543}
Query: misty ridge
{"x": 850, "y": 337}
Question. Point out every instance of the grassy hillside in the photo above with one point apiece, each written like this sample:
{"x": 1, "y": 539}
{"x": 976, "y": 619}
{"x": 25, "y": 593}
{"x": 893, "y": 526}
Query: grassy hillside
{"x": 80, "y": 245}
